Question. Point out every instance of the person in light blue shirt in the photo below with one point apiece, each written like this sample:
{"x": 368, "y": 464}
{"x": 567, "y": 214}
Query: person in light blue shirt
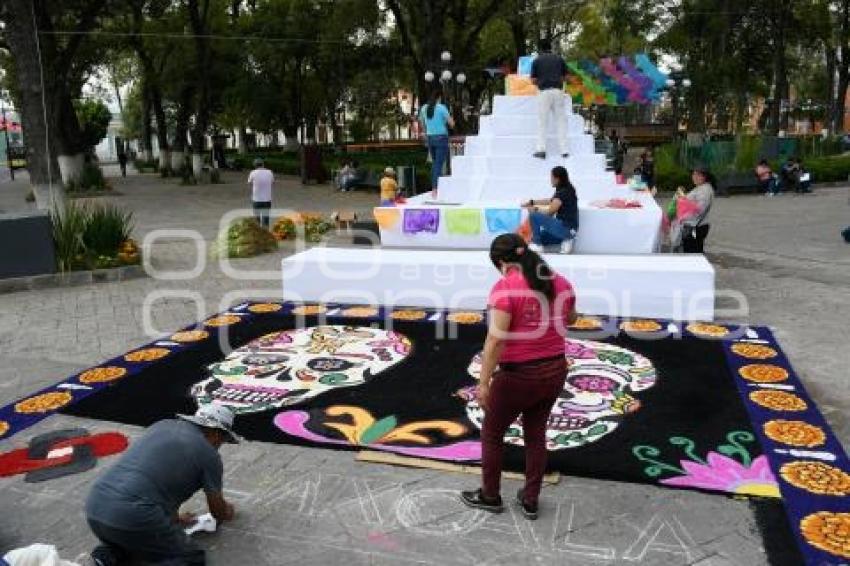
{"x": 436, "y": 121}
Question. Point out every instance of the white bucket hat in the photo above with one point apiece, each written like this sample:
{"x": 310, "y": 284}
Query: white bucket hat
{"x": 214, "y": 415}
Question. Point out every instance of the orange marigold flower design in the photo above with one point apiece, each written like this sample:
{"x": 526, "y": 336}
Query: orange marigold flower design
{"x": 190, "y": 336}
{"x": 44, "y": 403}
{"x": 308, "y": 310}
{"x": 408, "y": 315}
{"x": 4, "y": 427}
{"x": 147, "y": 354}
{"x": 465, "y": 317}
{"x": 103, "y": 374}
{"x": 707, "y": 330}
{"x": 795, "y": 433}
{"x": 586, "y": 323}
{"x": 223, "y": 320}
{"x": 828, "y": 531}
{"x": 640, "y": 326}
{"x": 260, "y": 308}
{"x": 754, "y": 351}
{"x": 778, "y": 400}
{"x": 763, "y": 373}
{"x": 360, "y": 312}
{"x": 816, "y": 477}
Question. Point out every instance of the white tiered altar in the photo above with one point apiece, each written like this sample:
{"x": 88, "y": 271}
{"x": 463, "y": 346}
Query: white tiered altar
{"x": 497, "y": 173}
{"x": 615, "y": 270}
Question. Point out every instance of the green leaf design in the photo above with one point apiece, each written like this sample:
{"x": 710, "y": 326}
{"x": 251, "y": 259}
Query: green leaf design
{"x": 618, "y": 358}
{"x": 378, "y": 429}
{"x": 333, "y": 378}
{"x": 596, "y": 430}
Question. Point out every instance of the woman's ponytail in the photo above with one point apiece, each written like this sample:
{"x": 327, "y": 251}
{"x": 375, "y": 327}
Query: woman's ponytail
{"x": 511, "y": 248}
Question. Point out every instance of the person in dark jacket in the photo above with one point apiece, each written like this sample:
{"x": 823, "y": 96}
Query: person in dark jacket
{"x": 555, "y": 221}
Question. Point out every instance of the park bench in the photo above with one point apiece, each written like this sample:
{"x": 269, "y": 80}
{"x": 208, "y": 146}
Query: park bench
{"x": 737, "y": 183}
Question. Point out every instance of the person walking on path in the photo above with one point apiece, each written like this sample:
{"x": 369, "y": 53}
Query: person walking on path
{"x": 436, "y": 121}
{"x": 133, "y": 507}
{"x": 554, "y": 221}
{"x": 261, "y": 181}
{"x": 523, "y": 367}
{"x": 548, "y": 72}
{"x": 122, "y": 161}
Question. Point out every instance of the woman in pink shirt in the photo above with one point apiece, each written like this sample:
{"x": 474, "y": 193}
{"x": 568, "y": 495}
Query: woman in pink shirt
{"x": 523, "y": 368}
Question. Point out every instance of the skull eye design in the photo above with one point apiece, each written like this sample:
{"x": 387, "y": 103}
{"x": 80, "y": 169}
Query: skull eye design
{"x": 329, "y": 364}
{"x": 263, "y": 359}
{"x": 597, "y": 395}
{"x": 288, "y": 367}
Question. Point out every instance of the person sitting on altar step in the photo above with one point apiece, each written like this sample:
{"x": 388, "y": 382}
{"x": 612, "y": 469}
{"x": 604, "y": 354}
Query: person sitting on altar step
{"x": 555, "y": 221}
{"x": 548, "y": 73}
{"x": 133, "y": 507}
{"x": 389, "y": 187}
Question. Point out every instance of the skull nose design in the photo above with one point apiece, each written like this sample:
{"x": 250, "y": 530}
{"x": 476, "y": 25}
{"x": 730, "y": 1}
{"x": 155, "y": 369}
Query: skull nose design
{"x": 285, "y": 375}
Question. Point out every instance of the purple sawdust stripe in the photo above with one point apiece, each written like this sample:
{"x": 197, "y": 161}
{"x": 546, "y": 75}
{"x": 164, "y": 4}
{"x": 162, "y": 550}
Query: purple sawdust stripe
{"x": 799, "y": 503}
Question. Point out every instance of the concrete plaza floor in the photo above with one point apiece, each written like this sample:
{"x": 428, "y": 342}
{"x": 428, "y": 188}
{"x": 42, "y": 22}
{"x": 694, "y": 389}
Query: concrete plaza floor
{"x": 309, "y": 506}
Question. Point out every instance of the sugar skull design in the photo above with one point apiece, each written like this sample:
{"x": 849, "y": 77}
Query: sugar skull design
{"x": 288, "y": 367}
{"x": 597, "y": 394}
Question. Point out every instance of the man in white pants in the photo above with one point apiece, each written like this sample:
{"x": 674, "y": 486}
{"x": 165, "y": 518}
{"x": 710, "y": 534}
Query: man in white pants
{"x": 548, "y": 72}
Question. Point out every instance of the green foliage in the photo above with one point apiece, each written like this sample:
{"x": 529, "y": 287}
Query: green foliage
{"x": 91, "y": 180}
{"x": 669, "y": 174}
{"x": 94, "y": 117}
{"x": 243, "y": 238}
{"x": 69, "y": 224}
{"x": 829, "y": 169}
{"x": 107, "y": 227}
{"x": 92, "y": 237}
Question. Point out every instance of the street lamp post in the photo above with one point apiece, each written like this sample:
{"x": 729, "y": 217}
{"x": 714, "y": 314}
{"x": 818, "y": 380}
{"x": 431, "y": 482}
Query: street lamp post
{"x": 446, "y": 75}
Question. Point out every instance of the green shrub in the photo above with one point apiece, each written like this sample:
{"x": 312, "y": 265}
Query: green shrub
{"x": 668, "y": 173}
{"x": 243, "y": 238}
{"x": 828, "y": 169}
{"x": 91, "y": 180}
{"x": 107, "y": 227}
{"x": 69, "y": 224}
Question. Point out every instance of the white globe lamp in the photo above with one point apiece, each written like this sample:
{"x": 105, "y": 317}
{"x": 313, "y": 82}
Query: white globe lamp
{"x": 461, "y": 78}
{"x": 686, "y": 83}
{"x": 446, "y": 56}
{"x": 429, "y": 76}
{"x": 446, "y": 76}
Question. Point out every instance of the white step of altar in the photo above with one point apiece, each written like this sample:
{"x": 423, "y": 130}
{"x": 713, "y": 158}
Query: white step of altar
{"x": 601, "y": 230}
{"x": 474, "y": 189}
{"x": 518, "y": 125}
{"x": 499, "y": 146}
{"x": 523, "y": 105}
{"x": 679, "y": 287}
{"x": 580, "y": 166}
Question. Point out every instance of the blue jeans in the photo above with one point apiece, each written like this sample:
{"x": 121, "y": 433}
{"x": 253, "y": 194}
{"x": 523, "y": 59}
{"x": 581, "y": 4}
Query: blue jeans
{"x": 547, "y": 230}
{"x": 438, "y": 146}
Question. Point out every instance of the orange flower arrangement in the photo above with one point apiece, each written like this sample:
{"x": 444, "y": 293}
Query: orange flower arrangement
{"x": 795, "y": 433}
{"x": 44, "y": 403}
{"x": 310, "y": 310}
{"x": 465, "y": 317}
{"x": 147, "y": 354}
{"x": 778, "y": 400}
{"x": 190, "y": 336}
{"x": 586, "y": 323}
{"x": 4, "y": 427}
{"x": 260, "y": 308}
{"x": 360, "y": 312}
{"x": 754, "y": 351}
{"x": 640, "y": 326}
{"x": 707, "y": 330}
{"x": 408, "y": 315}
{"x": 763, "y": 373}
{"x": 816, "y": 477}
{"x": 828, "y": 531}
{"x": 223, "y": 320}
{"x": 103, "y": 374}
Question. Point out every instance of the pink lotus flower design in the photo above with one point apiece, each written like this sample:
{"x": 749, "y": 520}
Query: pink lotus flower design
{"x": 721, "y": 473}
{"x": 593, "y": 383}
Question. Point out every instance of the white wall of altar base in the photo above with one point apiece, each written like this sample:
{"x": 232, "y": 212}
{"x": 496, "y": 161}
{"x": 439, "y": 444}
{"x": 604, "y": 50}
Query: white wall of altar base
{"x": 679, "y": 287}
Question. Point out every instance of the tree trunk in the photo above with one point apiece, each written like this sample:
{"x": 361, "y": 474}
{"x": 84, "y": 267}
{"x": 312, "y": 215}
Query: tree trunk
{"x": 198, "y": 10}
{"x": 38, "y": 120}
{"x": 243, "y": 141}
